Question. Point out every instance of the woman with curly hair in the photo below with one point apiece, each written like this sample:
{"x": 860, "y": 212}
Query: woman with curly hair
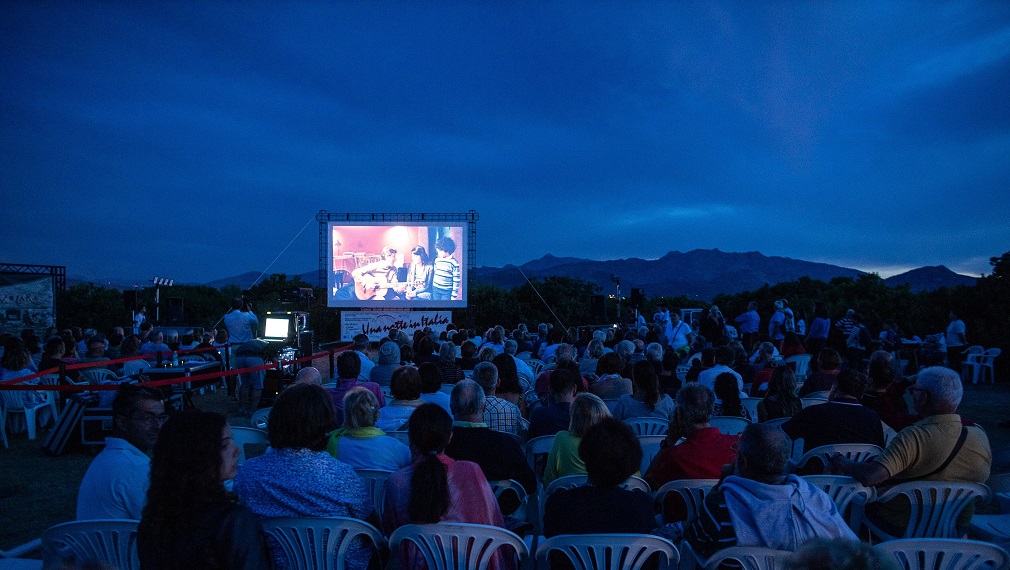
{"x": 781, "y": 400}
{"x": 190, "y": 520}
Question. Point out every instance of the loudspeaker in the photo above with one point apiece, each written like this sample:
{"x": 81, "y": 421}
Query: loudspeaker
{"x": 173, "y": 310}
{"x": 637, "y": 297}
{"x": 130, "y": 300}
{"x": 305, "y": 341}
{"x": 598, "y": 308}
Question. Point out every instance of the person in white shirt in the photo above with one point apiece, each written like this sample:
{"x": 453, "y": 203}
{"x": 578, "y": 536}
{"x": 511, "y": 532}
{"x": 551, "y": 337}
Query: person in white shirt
{"x": 115, "y": 484}
{"x": 724, "y": 358}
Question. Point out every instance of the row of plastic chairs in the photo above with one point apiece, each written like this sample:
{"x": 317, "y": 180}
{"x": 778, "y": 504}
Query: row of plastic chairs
{"x": 322, "y": 543}
{"x": 977, "y": 361}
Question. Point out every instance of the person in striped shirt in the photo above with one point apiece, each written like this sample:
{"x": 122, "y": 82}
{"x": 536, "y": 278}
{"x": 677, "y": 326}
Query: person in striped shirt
{"x": 445, "y": 286}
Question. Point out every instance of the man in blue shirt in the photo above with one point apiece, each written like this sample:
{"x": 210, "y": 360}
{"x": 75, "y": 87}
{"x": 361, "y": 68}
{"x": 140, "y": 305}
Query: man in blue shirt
{"x": 749, "y": 323}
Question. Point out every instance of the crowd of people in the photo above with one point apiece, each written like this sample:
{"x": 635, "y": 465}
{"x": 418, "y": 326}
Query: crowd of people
{"x": 195, "y": 503}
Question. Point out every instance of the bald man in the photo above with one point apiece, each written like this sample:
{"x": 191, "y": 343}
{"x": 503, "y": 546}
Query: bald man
{"x": 309, "y": 375}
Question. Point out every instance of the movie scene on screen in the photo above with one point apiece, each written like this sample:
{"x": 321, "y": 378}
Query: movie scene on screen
{"x": 404, "y": 265}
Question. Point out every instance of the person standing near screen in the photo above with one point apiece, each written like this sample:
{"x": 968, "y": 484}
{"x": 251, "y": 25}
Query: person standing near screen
{"x": 445, "y": 285}
{"x": 241, "y": 322}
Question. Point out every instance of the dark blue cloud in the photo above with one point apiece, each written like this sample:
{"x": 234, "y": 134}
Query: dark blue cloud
{"x": 200, "y": 138}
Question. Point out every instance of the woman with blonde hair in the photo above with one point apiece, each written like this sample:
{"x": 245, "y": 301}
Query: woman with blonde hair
{"x": 587, "y": 411}
{"x": 359, "y": 443}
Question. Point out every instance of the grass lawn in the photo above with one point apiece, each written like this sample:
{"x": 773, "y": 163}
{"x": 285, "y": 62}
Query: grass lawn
{"x": 45, "y": 487}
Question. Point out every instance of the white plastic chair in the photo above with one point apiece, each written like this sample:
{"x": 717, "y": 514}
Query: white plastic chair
{"x": 750, "y": 558}
{"x": 945, "y": 554}
{"x": 536, "y": 449}
{"x": 751, "y": 405}
{"x": 729, "y": 425}
{"x": 681, "y": 371}
{"x": 447, "y": 546}
{"x": 691, "y": 491}
{"x": 991, "y": 528}
{"x": 986, "y": 361}
{"x": 260, "y": 418}
{"x": 525, "y": 355}
{"x": 403, "y": 436}
{"x": 99, "y": 375}
{"x": 845, "y": 492}
{"x": 971, "y": 355}
{"x": 651, "y": 444}
{"x": 889, "y": 433}
{"x": 648, "y": 426}
{"x": 375, "y": 485}
{"x": 248, "y": 436}
{"x": 320, "y": 542}
{"x": 14, "y": 403}
{"x": 609, "y": 551}
{"x": 776, "y": 421}
{"x": 802, "y": 366}
{"x": 446, "y": 388}
{"x": 807, "y": 402}
{"x": 504, "y": 487}
{"x": 537, "y": 366}
{"x": 858, "y": 452}
{"x": 111, "y": 541}
{"x": 935, "y": 506}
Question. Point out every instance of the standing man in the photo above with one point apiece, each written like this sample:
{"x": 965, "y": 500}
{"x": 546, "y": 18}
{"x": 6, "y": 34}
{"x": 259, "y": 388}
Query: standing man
{"x": 115, "y": 485}
{"x": 679, "y": 334}
{"x": 955, "y": 342}
{"x": 749, "y": 323}
{"x": 139, "y": 318}
{"x": 241, "y": 322}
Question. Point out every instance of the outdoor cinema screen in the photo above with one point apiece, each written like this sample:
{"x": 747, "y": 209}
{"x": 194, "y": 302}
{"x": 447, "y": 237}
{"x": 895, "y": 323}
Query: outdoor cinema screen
{"x": 397, "y": 266}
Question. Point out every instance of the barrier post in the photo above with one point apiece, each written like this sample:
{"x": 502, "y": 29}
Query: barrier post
{"x": 159, "y": 359}
{"x": 227, "y": 356}
{"x": 332, "y": 364}
{"x": 63, "y": 376}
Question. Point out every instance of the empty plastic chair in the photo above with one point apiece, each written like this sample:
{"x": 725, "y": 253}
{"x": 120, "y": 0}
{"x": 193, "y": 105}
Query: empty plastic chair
{"x": 510, "y": 492}
{"x": 537, "y": 450}
{"x": 537, "y": 366}
{"x": 801, "y": 363}
{"x": 110, "y": 541}
{"x": 14, "y": 403}
{"x": 609, "y": 551}
{"x": 454, "y": 546}
{"x": 320, "y": 542}
{"x": 807, "y": 402}
{"x": 751, "y": 405}
{"x": 945, "y": 554}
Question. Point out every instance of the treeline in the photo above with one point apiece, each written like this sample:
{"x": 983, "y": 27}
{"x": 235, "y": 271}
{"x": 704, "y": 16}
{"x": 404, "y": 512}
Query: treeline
{"x": 984, "y": 307}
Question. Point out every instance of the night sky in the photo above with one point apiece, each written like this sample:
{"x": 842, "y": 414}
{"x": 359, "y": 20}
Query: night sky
{"x": 196, "y": 141}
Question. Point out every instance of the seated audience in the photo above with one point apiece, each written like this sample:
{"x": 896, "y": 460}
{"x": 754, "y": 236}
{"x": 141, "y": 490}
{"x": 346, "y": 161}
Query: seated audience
{"x": 792, "y": 345}
{"x": 841, "y": 420}
{"x": 935, "y": 448}
{"x": 593, "y": 353}
{"x": 499, "y": 455}
{"x": 728, "y": 396}
{"x": 359, "y": 443}
{"x": 435, "y": 487}
{"x": 406, "y": 391}
{"x": 52, "y": 357}
{"x": 557, "y": 414}
{"x": 723, "y": 359}
{"x": 885, "y": 395}
{"x": 131, "y": 348}
{"x": 389, "y": 360}
{"x": 348, "y": 368}
{"x": 564, "y": 459}
{"x": 647, "y": 401}
{"x": 610, "y": 385}
{"x": 669, "y": 383}
{"x": 431, "y": 386}
{"x": 96, "y": 351}
{"x": 154, "y": 345}
{"x": 451, "y": 371}
{"x": 115, "y": 484}
{"x": 526, "y": 377}
{"x": 612, "y": 454}
{"x": 309, "y": 375}
{"x": 191, "y": 520}
{"x": 509, "y": 384}
{"x": 499, "y": 414}
{"x": 829, "y": 363}
{"x": 565, "y": 358}
{"x": 768, "y": 360}
{"x": 780, "y": 401}
{"x": 468, "y": 355}
{"x": 361, "y": 346}
{"x": 705, "y": 449}
{"x": 758, "y": 505}
{"x": 296, "y": 477}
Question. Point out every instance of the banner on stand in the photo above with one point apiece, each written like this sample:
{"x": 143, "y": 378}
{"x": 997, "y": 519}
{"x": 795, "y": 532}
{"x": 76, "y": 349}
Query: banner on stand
{"x": 377, "y": 324}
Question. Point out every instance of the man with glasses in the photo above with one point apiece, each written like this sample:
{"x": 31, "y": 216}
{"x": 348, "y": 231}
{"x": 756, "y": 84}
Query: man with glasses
{"x": 115, "y": 485}
{"x": 936, "y": 448}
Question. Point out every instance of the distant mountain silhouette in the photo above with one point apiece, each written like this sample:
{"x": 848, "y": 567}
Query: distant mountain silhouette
{"x": 701, "y": 273}
{"x": 930, "y": 278}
